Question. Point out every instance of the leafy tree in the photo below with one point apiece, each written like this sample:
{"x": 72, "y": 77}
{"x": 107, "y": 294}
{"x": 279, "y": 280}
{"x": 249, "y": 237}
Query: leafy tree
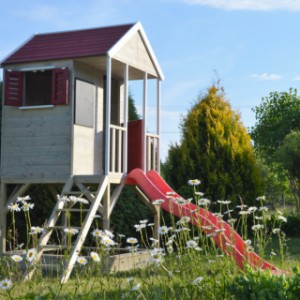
{"x": 215, "y": 148}
{"x": 132, "y": 111}
{"x": 276, "y": 116}
{"x": 288, "y": 155}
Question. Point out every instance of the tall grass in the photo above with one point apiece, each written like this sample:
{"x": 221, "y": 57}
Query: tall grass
{"x": 183, "y": 264}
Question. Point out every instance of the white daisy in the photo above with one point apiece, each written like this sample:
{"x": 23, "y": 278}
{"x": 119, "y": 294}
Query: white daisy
{"x": 194, "y": 182}
{"x": 198, "y": 280}
{"x": 5, "y": 284}
{"x": 16, "y": 258}
{"x": 31, "y": 254}
{"x": 14, "y": 207}
{"x": 132, "y": 240}
{"x": 95, "y": 256}
{"x": 203, "y": 202}
{"x": 163, "y": 230}
{"x": 82, "y": 260}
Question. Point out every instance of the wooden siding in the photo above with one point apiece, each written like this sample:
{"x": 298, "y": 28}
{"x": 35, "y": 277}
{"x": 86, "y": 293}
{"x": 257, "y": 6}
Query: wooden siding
{"x": 135, "y": 54}
{"x": 36, "y": 144}
{"x": 88, "y": 142}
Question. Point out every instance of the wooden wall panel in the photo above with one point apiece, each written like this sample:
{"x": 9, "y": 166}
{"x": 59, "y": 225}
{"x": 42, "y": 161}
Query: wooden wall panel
{"x": 36, "y": 143}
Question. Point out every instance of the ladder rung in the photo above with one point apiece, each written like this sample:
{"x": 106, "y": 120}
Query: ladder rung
{"x": 63, "y": 227}
{"x": 80, "y": 193}
{"x": 54, "y": 247}
{"x": 73, "y": 210}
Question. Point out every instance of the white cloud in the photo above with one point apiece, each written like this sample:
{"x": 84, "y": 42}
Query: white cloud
{"x": 265, "y": 76}
{"x": 297, "y": 78}
{"x": 264, "y": 5}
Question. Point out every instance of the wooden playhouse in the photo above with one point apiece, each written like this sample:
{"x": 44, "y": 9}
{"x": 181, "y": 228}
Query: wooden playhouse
{"x": 65, "y": 119}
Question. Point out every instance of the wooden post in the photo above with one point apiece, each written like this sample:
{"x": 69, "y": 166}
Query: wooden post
{"x": 158, "y": 124}
{"x": 145, "y": 119}
{"x": 106, "y": 208}
{"x": 107, "y": 113}
{"x": 125, "y": 140}
{"x": 3, "y": 218}
{"x": 156, "y": 222}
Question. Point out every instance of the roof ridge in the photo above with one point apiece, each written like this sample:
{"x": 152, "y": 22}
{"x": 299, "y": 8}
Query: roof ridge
{"x": 84, "y": 29}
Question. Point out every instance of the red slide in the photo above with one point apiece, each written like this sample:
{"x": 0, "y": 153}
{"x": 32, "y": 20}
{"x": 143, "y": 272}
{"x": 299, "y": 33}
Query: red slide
{"x": 228, "y": 240}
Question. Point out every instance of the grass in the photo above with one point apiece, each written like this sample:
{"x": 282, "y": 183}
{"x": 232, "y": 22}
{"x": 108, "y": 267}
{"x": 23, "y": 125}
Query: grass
{"x": 187, "y": 265}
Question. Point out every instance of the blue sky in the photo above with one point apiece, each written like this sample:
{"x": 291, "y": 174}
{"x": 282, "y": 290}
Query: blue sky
{"x": 252, "y": 46}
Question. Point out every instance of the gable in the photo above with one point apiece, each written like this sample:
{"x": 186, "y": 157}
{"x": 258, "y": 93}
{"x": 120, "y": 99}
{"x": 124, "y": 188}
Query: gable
{"x": 134, "y": 53}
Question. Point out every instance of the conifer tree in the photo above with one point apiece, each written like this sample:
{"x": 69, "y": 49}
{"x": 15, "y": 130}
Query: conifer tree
{"x": 215, "y": 148}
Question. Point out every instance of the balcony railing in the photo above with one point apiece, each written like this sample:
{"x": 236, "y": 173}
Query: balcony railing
{"x": 152, "y": 152}
{"x": 117, "y": 136}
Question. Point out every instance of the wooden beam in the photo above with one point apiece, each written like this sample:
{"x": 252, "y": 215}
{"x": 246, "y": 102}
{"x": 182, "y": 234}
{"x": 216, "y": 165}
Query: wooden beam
{"x": 145, "y": 118}
{"x": 3, "y": 219}
{"x": 158, "y": 91}
{"x": 106, "y": 207}
{"x": 107, "y": 113}
{"x": 126, "y": 108}
{"x": 114, "y": 198}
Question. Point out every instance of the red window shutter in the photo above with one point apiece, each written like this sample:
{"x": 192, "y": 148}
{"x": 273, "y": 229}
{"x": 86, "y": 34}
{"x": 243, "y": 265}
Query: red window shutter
{"x": 60, "y": 86}
{"x": 13, "y": 92}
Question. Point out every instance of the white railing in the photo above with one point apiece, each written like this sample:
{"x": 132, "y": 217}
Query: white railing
{"x": 117, "y": 135}
{"x": 152, "y": 152}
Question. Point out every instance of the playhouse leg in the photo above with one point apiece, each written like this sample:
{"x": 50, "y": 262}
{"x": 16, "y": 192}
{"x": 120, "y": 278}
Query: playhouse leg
{"x": 3, "y": 219}
{"x": 156, "y": 222}
{"x": 106, "y": 207}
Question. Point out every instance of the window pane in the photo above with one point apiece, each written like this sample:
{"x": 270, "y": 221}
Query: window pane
{"x": 38, "y": 88}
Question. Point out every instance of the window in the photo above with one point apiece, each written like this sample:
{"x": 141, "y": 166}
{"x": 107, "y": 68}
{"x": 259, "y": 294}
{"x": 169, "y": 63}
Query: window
{"x": 36, "y": 88}
{"x": 85, "y": 98}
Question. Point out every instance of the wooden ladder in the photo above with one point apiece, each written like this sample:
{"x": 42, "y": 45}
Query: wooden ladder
{"x": 62, "y": 207}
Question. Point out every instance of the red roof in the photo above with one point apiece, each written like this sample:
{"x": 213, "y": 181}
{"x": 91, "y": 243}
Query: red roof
{"x": 70, "y": 44}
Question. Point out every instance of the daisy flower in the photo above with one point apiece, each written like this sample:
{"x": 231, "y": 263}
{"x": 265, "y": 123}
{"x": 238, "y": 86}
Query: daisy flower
{"x": 158, "y": 201}
{"x": 261, "y": 198}
{"x": 71, "y": 231}
{"x": 198, "y": 280}
{"x": 163, "y": 230}
{"x": 203, "y": 202}
{"x": 139, "y": 227}
{"x": 132, "y": 240}
{"x": 27, "y": 206}
{"x": 183, "y": 220}
{"x": 31, "y": 254}
{"x": 14, "y": 207}
{"x": 23, "y": 199}
{"x": 36, "y": 230}
{"x": 225, "y": 202}
{"x": 95, "y": 256}
{"x": 5, "y": 284}
{"x": 16, "y": 258}
{"x": 98, "y": 233}
{"x": 82, "y": 260}
{"x": 257, "y": 227}
{"x": 107, "y": 241}
{"x": 191, "y": 244}
{"x": 194, "y": 182}
{"x": 156, "y": 256}
{"x": 282, "y": 218}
